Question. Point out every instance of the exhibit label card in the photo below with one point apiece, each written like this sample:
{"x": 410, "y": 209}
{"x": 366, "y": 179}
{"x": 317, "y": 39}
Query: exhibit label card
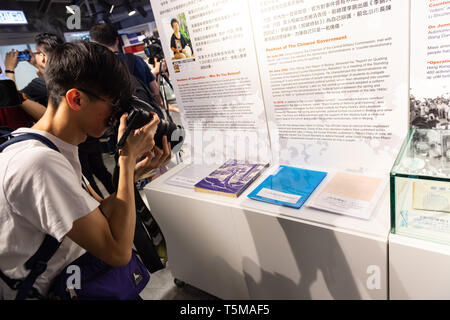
{"x": 278, "y": 195}
{"x": 335, "y": 80}
{"x": 210, "y": 53}
{"x": 419, "y": 204}
{"x": 431, "y": 195}
{"x": 190, "y": 175}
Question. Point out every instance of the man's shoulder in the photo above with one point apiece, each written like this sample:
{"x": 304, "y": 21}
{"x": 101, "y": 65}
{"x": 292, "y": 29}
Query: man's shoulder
{"x": 38, "y": 82}
{"x": 31, "y": 155}
{"x": 36, "y": 89}
{"x": 140, "y": 61}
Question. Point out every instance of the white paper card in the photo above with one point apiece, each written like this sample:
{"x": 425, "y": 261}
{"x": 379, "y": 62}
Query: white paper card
{"x": 343, "y": 205}
{"x": 190, "y": 175}
{"x": 279, "y": 196}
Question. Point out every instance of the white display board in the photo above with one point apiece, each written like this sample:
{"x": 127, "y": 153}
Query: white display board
{"x": 332, "y": 77}
{"x": 217, "y": 83}
{"x": 326, "y": 82}
{"x": 335, "y": 77}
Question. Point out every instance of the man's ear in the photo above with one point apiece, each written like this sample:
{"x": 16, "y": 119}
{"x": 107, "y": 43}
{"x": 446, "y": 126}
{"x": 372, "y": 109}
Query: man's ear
{"x": 73, "y": 98}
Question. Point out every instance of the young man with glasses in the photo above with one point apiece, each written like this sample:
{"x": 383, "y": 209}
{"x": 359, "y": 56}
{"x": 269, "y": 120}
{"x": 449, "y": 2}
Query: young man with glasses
{"x": 41, "y": 189}
{"x": 90, "y": 150}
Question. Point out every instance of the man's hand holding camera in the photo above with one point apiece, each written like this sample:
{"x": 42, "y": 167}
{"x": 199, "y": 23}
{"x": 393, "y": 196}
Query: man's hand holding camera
{"x": 140, "y": 145}
{"x": 152, "y": 159}
{"x": 139, "y": 140}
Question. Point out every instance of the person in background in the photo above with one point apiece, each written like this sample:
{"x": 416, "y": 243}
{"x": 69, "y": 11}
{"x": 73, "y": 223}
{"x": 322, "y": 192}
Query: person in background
{"x": 36, "y": 90}
{"x": 177, "y": 42}
{"x": 106, "y": 34}
{"x": 29, "y": 111}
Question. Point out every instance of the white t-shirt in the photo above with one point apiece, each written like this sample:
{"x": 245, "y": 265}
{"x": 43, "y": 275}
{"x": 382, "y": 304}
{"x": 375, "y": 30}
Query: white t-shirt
{"x": 40, "y": 194}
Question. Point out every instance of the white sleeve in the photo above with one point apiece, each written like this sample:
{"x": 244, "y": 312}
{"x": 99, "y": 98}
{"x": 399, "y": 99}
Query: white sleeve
{"x": 45, "y": 191}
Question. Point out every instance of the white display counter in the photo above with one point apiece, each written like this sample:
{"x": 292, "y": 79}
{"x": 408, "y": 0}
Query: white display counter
{"x": 418, "y": 269}
{"x": 237, "y": 248}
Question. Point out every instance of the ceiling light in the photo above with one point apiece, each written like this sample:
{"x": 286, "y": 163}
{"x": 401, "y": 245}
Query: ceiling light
{"x": 111, "y": 10}
{"x": 131, "y": 11}
{"x": 69, "y": 9}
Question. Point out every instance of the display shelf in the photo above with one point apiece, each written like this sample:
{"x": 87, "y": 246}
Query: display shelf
{"x": 237, "y": 248}
{"x": 377, "y": 226}
{"x": 418, "y": 269}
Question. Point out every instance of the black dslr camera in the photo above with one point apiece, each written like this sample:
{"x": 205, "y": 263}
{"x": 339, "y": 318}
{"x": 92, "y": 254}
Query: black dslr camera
{"x": 153, "y": 49}
{"x": 139, "y": 114}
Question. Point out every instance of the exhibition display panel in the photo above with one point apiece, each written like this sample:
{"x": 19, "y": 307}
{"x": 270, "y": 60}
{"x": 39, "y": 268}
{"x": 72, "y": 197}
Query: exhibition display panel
{"x": 318, "y": 89}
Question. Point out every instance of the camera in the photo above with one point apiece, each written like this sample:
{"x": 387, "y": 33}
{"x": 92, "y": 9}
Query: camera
{"x": 140, "y": 114}
{"x": 153, "y": 49}
{"x": 23, "y": 56}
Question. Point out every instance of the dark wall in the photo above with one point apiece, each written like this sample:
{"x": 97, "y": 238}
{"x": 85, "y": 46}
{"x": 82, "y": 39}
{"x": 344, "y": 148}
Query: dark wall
{"x": 136, "y": 20}
{"x": 54, "y": 20}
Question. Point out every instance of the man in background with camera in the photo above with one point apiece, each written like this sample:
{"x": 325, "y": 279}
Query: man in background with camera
{"x": 42, "y": 190}
{"x": 107, "y": 35}
{"x": 36, "y": 90}
{"x": 35, "y": 93}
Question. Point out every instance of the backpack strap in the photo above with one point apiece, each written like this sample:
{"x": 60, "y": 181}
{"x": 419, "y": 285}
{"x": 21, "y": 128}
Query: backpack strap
{"x": 29, "y": 136}
{"x": 38, "y": 262}
{"x": 5, "y": 133}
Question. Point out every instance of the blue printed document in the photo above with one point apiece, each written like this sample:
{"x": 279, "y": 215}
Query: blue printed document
{"x": 289, "y": 186}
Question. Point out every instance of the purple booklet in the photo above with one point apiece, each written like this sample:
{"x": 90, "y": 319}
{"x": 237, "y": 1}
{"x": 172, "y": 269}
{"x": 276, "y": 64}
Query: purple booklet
{"x": 231, "y": 178}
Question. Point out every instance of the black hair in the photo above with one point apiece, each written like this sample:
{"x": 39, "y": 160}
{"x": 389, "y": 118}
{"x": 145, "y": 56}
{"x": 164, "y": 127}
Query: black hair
{"x": 48, "y": 42}
{"x": 174, "y": 20}
{"x": 104, "y": 33}
{"x": 89, "y": 66}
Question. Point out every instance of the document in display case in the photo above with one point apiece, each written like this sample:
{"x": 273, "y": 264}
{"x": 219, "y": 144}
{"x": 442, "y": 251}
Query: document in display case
{"x": 420, "y": 186}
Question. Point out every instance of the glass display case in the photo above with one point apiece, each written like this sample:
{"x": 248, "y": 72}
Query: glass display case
{"x": 420, "y": 186}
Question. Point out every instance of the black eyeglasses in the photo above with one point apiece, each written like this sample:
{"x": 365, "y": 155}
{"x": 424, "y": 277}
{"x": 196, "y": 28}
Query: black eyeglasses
{"x": 113, "y": 119}
{"x": 115, "y": 104}
{"x": 39, "y": 52}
